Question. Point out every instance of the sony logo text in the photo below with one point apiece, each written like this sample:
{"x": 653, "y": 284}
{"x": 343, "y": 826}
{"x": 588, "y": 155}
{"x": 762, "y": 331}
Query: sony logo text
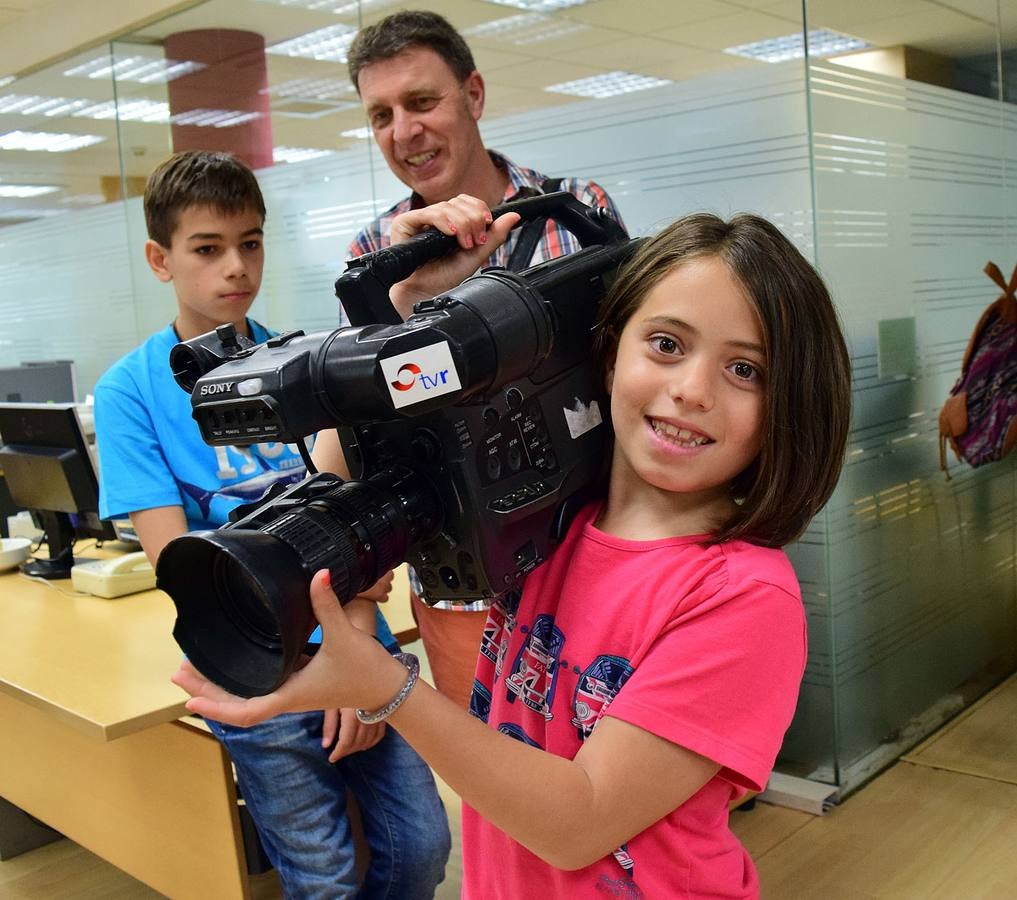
{"x": 223, "y": 387}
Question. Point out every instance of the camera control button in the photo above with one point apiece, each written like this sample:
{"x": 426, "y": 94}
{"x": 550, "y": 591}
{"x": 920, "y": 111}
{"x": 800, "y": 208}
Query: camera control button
{"x": 494, "y": 467}
{"x": 514, "y": 398}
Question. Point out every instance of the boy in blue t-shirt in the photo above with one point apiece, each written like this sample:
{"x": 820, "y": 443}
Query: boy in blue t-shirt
{"x": 204, "y": 213}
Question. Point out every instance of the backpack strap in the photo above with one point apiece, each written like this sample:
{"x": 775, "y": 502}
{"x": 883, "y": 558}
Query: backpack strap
{"x": 1007, "y": 302}
{"x": 532, "y": 231}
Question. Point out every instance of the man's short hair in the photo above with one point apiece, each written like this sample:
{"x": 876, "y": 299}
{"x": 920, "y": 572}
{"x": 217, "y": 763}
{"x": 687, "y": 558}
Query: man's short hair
{"x": 198, "y": 178}
{"x": 405, "y": 29}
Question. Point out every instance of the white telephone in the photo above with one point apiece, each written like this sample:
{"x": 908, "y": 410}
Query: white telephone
{"x": 114, "y": 577}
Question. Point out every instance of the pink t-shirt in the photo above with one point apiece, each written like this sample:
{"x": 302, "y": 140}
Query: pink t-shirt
{"x": 703, "y": 646}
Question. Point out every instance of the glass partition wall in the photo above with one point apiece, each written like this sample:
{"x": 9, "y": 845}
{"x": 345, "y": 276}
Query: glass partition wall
{"x": 915, "y": 189}
{"x": 882, "y": 141}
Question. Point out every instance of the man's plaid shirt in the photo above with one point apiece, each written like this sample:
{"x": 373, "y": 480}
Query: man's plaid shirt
{"x": 556, "y": 241}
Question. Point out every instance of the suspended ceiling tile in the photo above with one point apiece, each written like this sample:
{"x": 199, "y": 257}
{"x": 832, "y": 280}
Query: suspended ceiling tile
{"x": 784, "y": 9}
{"x": 507, "y": 101}
{"x": 693, "y": 63}
{"x": 838, "y": 15}
{"x": 461, "y": 13}
{"x": 939, "y": 31}
{"x": 632, "y": 54}
{"x": 563, "y": 35}
{"x": 271, "y": 20}
{"x": 730, "y": 31}
{"x": 650, "y": 15}
{"x": 539, "y": 73}
{"x": 983, "y": 10}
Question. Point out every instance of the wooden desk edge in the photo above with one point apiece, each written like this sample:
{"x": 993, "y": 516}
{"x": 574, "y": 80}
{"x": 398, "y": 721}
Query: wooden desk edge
{"x": 90, "y": 727}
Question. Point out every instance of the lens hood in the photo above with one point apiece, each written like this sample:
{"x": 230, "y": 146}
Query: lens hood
{"x": 243, "y": 610}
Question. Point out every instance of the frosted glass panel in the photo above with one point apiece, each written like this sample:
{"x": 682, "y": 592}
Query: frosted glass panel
{"x": 65, "y": 291}
{"x": 914, "y": 193}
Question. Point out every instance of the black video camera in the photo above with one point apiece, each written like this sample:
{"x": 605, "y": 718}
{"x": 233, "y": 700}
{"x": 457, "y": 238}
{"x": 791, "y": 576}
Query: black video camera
{"x": 473, "y": 430}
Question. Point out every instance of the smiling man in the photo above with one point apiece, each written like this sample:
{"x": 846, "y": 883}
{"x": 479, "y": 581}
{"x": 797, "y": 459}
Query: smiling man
{"x": 424, "y": 98}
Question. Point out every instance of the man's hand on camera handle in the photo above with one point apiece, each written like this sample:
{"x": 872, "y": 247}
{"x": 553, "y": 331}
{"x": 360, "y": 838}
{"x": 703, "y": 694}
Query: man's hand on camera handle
{"x": 470, "y": 220}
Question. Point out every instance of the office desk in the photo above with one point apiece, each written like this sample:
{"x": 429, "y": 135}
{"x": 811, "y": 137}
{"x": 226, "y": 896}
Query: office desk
{"x": 89, "y": 741}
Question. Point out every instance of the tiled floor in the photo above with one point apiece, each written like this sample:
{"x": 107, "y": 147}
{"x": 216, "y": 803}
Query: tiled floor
{"x": 939, "y": 825}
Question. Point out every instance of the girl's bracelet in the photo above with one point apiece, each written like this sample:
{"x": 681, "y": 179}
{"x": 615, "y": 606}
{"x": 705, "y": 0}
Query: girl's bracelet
{"x": 413, "y": 664}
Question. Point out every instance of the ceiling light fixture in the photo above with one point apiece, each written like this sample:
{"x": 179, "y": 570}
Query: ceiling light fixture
{"x": 607, "y": 84}
{"x": 21, "y": 191}
{"x": 16, "y": 215}
{"x": 48, "y": 141}
{"x": 526, "y": 28}
{"x": 336, "y": 7}
{"x": 821, "y": 42}
{"x": 83, "y": 200}
{"x": 539, "y": 5}
{"x": 127, "y": 111}
{"x": 141, "y": 69}
{"x": 331, "y": 43}
{"x": 213, "y": 118}
{"x": 33, "y": 105}
{"x": 297, "y": 154}
{"x": 313, "y": 89}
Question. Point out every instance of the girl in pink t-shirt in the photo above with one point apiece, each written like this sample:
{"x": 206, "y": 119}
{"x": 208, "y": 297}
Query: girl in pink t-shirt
{"x": 646, "y": 675}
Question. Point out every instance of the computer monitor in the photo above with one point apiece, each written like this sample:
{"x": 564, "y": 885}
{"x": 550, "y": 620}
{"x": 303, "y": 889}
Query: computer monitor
{"x": 46, "y": 464}
{"x": 46, "y": 381}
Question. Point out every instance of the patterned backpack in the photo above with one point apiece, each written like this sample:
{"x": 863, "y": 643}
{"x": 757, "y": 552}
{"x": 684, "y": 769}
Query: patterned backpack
{"x": 980, "y": 417}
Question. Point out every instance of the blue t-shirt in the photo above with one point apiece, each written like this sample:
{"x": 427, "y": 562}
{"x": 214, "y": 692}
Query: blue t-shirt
{"x": 151, "y": 453}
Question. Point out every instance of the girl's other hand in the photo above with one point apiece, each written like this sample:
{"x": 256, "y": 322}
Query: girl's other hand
{"x": 350, "y": 670}
{"x": 470, "y": 220}
{"x": 379, "y": 591}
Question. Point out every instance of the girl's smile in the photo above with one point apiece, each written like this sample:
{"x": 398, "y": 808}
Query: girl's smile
{"x": 678, "y": 435}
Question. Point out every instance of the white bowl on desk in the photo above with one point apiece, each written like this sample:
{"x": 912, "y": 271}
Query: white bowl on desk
{"x": 13, "y": 552}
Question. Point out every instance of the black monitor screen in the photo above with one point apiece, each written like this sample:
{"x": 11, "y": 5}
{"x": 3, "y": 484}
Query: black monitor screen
{"x": 50, "y": 381}
{"x": 46, "y": 464}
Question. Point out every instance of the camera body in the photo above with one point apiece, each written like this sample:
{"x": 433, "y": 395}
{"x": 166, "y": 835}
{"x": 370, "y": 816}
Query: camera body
{"x": 508, "y": 467}
{"x": 473, "y": 431}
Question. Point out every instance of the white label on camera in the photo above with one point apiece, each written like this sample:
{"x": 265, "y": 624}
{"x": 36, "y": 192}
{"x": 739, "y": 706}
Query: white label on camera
{"x": 420, "y": 375}
{"x": 581, "y": 418}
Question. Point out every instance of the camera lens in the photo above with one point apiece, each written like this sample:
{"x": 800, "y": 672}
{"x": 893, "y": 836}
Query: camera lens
{"x": 241, "y": 592}
{"x": 245, "y": 603}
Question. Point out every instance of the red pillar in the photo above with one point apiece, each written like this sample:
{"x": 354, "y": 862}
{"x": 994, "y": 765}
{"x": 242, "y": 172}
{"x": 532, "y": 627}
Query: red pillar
{"x": 233, "y": 77}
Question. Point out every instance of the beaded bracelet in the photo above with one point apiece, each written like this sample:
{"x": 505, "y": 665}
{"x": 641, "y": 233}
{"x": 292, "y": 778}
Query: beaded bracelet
{"x": 413, "y": 665}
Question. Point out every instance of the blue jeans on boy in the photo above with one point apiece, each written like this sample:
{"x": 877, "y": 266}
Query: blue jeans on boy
{"x": 297, "y": 799}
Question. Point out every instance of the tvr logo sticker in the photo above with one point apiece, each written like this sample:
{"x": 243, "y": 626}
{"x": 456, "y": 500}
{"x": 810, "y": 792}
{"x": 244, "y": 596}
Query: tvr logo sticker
{"x": 406, "y": 377}
{"x": 420, "y": 374}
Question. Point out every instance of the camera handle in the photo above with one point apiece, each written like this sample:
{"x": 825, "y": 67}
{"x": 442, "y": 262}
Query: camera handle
{"x": 363, "y": 288}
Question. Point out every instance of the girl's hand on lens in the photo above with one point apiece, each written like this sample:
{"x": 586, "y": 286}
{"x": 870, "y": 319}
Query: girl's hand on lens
{"x": 350, "y": 670}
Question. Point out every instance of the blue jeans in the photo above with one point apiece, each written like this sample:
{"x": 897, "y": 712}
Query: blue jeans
{"x": 297, "y": 799}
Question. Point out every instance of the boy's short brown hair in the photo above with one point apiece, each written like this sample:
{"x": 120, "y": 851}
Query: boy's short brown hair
{"x": 807, "y": 406}
{"x": 198, "y": 178}
{"x": 410, "y": 28}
